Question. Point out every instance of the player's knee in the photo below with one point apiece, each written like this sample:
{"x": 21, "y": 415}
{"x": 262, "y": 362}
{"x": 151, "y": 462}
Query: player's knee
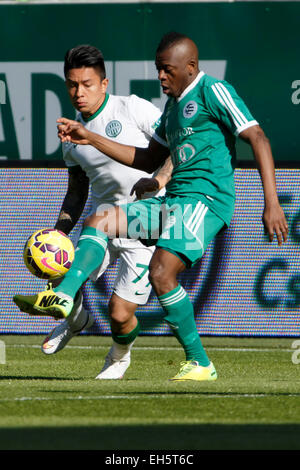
{"x": 98, "y": 222}
{"x": 119, "y": 314}
{"x": 90, "y": 221}
{"x": 119, "y": 318}
{"x": 160, "y": 278}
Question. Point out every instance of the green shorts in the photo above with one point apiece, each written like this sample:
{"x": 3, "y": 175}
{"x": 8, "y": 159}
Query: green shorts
{"x": 183, "y": 226}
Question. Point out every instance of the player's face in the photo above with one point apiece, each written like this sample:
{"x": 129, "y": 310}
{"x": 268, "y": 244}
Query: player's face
{"x": 86, "y": 89}
{"x": 174, "y": 72}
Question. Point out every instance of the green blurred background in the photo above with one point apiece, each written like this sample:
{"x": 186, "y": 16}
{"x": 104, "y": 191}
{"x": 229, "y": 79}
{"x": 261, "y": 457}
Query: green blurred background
{"x": 253, "y": 45}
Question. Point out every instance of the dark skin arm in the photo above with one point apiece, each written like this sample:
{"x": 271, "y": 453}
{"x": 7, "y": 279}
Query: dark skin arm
{"x": 74, "y": 201}
{"x": 273, "y": 217}
{"x": 146, "y": 159}
{"x": 157, "y": 182}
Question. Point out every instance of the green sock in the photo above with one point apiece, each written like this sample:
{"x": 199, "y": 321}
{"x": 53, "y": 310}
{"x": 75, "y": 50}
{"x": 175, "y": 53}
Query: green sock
{"x": 128, "y": 338}
{"x": 180, "y": 316}
{"x": 88, "y": 256}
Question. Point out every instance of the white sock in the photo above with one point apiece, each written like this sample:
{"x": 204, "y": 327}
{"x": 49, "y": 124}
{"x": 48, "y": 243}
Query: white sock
{"x": 120, "y": 350}
{"x": 78, "y": 316}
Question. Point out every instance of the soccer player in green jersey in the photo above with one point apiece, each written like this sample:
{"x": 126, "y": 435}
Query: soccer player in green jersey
{"x": 199, "y": 125}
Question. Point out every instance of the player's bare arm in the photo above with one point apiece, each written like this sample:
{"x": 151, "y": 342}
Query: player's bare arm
{"x": 157, "y": 182}
{"x": 273, "y": 217}
{"x": 74, "y": 201}
{"x": 147, "y": 159}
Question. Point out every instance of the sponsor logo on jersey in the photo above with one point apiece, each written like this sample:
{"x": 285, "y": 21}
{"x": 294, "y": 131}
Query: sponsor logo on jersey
{"x": 113, "y": 128}
{"x": 180, "y": 133}
{"x": 185, "y": 152}
{"x": 190, "y": 109}
{"x": 156, "y": 124}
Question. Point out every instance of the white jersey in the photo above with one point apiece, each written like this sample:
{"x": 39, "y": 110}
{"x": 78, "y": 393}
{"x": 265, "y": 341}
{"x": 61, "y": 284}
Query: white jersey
{"x": 128, "y": 120}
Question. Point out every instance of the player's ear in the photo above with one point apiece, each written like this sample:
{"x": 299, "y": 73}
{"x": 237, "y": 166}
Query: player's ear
{"x": 192, "y": 65}
{"x": 104, "y": 84}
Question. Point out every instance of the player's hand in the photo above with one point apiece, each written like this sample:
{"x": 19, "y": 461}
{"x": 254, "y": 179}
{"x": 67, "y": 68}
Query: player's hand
{"x": 275, "y": 223}
{"x": 72, "y": 131}
{"x": 144, "y": 185}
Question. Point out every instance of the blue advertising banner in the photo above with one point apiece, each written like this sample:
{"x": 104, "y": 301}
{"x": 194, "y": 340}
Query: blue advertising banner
{"x": 243, "y": 286}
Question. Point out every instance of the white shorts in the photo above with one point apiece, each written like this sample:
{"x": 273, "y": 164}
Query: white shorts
{"x": 132, "y": 281}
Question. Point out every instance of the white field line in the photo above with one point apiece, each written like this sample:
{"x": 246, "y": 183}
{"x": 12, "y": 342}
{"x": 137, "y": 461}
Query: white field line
{"x": 144, "y": 397}
{"x": 162, "y": 348}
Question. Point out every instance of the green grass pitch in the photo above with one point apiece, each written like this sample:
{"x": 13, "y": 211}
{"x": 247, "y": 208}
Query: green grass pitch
{"x": 54, "y": 402}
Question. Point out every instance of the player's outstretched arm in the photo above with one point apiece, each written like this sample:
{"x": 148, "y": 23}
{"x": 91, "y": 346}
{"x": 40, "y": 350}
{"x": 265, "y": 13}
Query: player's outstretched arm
{"x": 273, "y": 217}
{"x": 157, "y": 182}
{"x": 147, "y": 159}
{"x": 74, "y": 201}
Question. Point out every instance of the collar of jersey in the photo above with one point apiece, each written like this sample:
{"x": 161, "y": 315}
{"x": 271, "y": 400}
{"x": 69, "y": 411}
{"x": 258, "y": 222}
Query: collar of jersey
{"x": 93, "y": 116}
{"x": 191, "y": 86}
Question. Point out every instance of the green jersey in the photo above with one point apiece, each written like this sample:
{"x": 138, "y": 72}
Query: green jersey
{"x": 200, "y": 129}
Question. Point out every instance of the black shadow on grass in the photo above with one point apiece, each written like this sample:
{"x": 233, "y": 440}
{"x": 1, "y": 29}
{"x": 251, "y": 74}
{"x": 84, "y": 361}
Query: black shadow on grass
{"x": 215, "y": 394}
{"x": 36, "y": 377}
{"x": 158, "y": 437}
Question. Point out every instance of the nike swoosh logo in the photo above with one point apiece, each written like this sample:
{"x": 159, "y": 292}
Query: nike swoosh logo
{"x": 139, "y": 293}
{"x": 44, "y": 262}
{"x": 174, "y": 327}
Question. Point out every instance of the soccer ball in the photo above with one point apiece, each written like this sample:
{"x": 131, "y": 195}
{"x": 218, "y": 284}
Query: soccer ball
{"x": 48, "y": 253}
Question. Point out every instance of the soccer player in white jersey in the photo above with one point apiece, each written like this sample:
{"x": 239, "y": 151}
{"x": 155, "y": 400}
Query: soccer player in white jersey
{"x": 128, "y": 120}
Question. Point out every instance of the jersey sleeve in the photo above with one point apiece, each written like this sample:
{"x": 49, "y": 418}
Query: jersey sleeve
{"x": 145, "y": 114}
{"x": 225, "y": 105}
{"x": 160, "y": 131}
{"x": 69, "y": 161}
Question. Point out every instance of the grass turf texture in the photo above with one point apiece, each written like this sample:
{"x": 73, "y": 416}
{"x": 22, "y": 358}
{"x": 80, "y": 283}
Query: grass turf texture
{"x": 54, "y": 402}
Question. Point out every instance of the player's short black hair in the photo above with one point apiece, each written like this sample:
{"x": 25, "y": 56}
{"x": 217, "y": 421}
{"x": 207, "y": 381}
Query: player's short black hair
{"x": 169, "y": 39}
{"x": 84, "y": 56}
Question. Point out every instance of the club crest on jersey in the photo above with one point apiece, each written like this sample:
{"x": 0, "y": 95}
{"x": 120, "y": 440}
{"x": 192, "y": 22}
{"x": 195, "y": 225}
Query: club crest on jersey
{"x": 185, "y": 153}
{"x": 190, "y": 109}
{"x": 113, "y": 128}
